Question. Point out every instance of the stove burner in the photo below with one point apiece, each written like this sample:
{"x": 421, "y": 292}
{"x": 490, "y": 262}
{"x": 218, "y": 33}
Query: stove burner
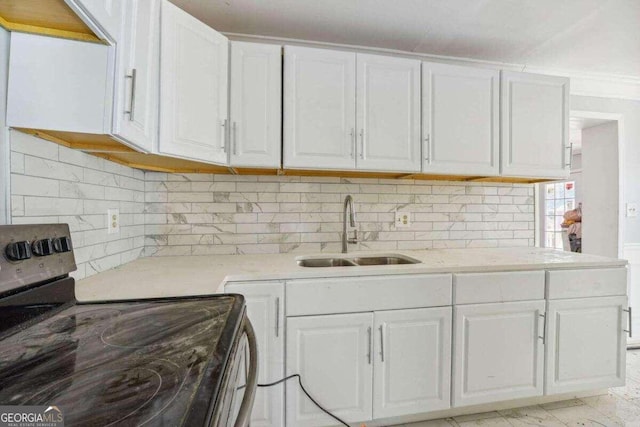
{"x": 117, "y": 396}
{"x": 158, "y": 326}
{"x": 80, "y": 325}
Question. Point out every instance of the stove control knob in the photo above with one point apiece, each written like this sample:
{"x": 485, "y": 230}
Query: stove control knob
{"x": 62, "y": 244}
{"x": 42, "y": 247}
{"x": 18, "y": 251}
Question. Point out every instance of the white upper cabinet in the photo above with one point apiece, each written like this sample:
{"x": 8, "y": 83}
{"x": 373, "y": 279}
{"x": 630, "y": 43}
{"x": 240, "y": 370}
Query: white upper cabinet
{"x": 255, "y": 111}
{"x": 193, "y": 88}
{"x": 105, "y": 15}
{"x": 586, "y": 344}
{"x": 497, "y": 352}
{"x": 388, "y": 113}
{"x": 460, "y": 120}
{"x": 412, "y": 370}
{"x": 535, "y": 125}
{"x": 319, "y": 108}
{"x": 135, "y": 113}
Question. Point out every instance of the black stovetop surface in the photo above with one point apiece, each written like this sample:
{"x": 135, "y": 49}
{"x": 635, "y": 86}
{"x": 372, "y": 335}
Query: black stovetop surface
{"x": 156, "y": 362}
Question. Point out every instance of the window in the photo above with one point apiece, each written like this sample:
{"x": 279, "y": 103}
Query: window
{"x": 559, "y": 197}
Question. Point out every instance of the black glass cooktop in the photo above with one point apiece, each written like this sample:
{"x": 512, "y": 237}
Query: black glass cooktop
{"x": 124, "y": 363}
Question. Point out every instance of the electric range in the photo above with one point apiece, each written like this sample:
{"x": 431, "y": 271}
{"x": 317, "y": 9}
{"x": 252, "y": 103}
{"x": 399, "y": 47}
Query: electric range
{"x": 172, "y": 361}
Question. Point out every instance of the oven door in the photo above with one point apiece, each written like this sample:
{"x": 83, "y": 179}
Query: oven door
{"x": 240, "y": 383}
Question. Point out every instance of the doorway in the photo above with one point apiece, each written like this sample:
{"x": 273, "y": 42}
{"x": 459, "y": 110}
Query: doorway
{"x": 594, "y": 188}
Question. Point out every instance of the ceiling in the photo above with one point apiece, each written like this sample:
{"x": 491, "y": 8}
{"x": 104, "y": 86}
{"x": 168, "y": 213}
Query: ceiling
{"x": 599, "y": 36}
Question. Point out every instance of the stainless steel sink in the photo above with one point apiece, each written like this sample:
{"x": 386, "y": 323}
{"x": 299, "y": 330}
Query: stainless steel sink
{"x": 385, "y": 260}
{"x": 325, "y": 262}
{"x": 363, "y": 261}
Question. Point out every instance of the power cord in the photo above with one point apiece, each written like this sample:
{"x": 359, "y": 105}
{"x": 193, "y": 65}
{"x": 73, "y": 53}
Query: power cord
{"x": 305, "y": 392}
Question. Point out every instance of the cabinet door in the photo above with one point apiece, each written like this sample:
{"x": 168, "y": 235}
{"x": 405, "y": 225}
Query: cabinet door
{"x": 412, "y": 355}
{"x": 333, "y": 355}
{"x": 135, "y": 116}
{"x": 460, "y": 120}
{"x": 497, "y": 352}
{"x": 193, "y": 88}
{"x": 256, "y": 79}
{"x": 265, "y": 310}
{"x": 106, "y": 15}
{"x": 388, "y": 113}
{"x": 586, "y": 344}
{"x": 535, "y": 125}
{"x": 319, "y": 108}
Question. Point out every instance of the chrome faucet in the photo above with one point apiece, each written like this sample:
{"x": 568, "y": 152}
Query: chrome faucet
{"x": 348, "y": 204}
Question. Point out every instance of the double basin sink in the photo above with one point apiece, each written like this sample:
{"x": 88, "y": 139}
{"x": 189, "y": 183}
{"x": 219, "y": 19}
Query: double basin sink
{"x": 361, "y": 260}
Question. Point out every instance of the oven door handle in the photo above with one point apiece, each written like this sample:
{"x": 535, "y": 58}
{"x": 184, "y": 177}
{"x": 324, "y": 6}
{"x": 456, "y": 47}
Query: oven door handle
{"x": 244, "y": 415}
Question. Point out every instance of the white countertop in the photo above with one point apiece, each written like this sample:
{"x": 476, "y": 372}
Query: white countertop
{"x": 202, "y": 275}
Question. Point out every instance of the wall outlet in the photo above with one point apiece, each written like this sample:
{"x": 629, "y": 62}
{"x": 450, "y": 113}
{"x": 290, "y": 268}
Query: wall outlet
{"x": 403, "y": 219}
{"x": 632, "y": 210}
{"x": 113, "y": 221}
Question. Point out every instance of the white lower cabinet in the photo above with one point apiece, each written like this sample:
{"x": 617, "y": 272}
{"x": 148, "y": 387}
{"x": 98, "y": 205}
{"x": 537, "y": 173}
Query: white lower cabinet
{"x": 586, "y": 344}
{"x": 265, "y": 303}
{"x": 412, "y": 369}
{"x": 367, "y": 366}
{"x": 333, "y": 355}
{"x": 498, "y": 352}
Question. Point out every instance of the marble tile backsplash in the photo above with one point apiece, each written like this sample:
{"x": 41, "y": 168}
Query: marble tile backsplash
{"x": 200, "y": 214}
{"x": 51, "y": 183}
{"x": 226, "y": 214}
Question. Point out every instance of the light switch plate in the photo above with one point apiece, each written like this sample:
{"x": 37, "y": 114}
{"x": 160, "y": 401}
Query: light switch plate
{"x": 632, "y": 210}
{"x": 403, "y": 219}
{"x": 113, "y": 221}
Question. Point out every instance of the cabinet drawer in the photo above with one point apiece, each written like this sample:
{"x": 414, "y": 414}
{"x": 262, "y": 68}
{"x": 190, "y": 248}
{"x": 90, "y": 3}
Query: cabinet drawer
{"x": 353, "y": 294}
{"x": 586, "y": 283}
{"x": 477, "y": 288}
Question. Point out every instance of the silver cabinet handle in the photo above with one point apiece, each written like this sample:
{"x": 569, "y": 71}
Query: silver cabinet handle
{"x": 224, "y": 136}
{"x": 132, "y": 105}
{"x": 630, "y": 316}
{"x": 382, "y": 342}
{"x": 277, "y": 316}
{"x": 362, "y": 143}
{"x": 235, "y": 138}
{"x": 544, "y": 329}
{"x": 569, "y": 163}
{"x": 370, "y": 342}
{"x": 427, "y": 140}
{"x": 353, "y": 141}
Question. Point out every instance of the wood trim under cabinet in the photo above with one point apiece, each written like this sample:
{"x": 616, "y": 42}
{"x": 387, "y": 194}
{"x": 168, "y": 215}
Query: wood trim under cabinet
{"x": 107, "y": 147}
{"x": 47, "y": 17}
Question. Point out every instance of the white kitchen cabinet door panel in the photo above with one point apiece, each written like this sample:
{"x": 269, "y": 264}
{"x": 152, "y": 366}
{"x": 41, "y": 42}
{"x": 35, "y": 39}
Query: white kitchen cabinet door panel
{"x": 460, "y": 120}
{"x": 59, "y": 84}
{"x": 535, "y": 125}
{"x": 256, "y": 94}
{"x": 333, "y": 355}
{"x": 319, "y": 108}
{"x": 106, "y": 15}
{"x": 586, "y": 344}
{"x": 193, "y": 88}
{"x": 265, "y": 303}
{"x": 135, "y": 116}
{"x": 497, "y": 352}
{"x": 412, "y": 361}
{"x": 388, "y": 113}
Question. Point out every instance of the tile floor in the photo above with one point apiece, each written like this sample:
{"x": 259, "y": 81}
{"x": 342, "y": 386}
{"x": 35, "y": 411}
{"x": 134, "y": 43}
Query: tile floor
{"x": 621, "y": 407}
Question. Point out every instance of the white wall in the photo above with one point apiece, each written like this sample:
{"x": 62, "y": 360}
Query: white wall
{"x": 4, "y": 141}
{"x": 600, "y": 190}
{"x": 576, "y": 175}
